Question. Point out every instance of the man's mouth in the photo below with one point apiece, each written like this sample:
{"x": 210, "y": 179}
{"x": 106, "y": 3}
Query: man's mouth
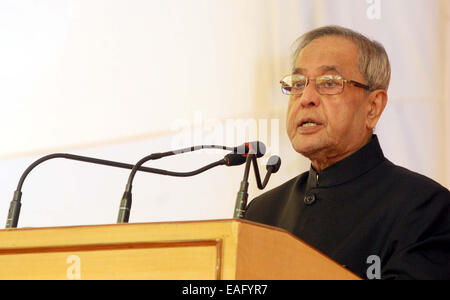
{"x": 308, "y": 122}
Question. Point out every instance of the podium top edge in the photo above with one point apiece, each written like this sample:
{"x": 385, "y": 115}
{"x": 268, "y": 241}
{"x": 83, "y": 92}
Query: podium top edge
{"x": 235, "y": 221}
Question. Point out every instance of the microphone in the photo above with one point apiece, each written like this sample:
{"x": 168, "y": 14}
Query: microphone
{"x": 238, "y": 156}
{"x": 14, "y": 209}
{"x": 257, "y": 148}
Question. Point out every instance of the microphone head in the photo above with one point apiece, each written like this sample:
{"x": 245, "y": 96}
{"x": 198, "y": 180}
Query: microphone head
{"x": 273, "y": 164}
{"x": 233, "y": 159}
{"x": 257, "y": 148}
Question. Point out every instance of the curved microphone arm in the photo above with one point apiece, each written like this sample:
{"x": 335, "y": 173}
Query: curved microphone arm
{"x": 273, "y": 165}
{"x": 194, "y": 148}
{"x": 79, "y": 158}
{"x": 14, "y": 209}
{"x": 155, "y": 156}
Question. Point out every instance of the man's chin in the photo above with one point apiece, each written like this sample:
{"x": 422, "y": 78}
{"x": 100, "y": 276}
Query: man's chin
{"x": 308, "y": 151}
{"x": 308, "y": 144}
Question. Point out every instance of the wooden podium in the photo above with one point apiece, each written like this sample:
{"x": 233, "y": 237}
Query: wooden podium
{"x": 222, "y": 249}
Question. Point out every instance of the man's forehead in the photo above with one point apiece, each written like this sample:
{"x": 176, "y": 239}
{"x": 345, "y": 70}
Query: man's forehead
{"x": 323, "y": 68}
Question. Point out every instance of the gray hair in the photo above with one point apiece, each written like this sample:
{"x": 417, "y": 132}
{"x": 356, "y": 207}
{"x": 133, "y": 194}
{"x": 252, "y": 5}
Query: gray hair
{"x": 373, "y": 60}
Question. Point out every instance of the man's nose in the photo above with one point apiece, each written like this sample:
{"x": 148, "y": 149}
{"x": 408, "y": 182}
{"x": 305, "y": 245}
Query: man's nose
{"x": 310, "y": 96}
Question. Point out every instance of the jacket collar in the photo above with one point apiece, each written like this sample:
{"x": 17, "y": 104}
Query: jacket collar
{"x": 348, "y": 169}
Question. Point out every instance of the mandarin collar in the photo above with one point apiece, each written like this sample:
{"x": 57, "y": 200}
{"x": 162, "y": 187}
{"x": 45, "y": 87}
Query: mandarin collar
{"x": 351, "y": 167}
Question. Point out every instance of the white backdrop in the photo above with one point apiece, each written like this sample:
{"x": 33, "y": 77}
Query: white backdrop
{"x": 121, "y": 79}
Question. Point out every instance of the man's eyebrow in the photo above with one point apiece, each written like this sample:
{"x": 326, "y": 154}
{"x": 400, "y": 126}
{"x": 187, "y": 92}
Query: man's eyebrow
{"x": 299, "y": 71}
{"x": 330, "y": 68}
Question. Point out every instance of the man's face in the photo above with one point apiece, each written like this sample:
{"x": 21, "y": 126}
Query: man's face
{"x": 340, "y": 120}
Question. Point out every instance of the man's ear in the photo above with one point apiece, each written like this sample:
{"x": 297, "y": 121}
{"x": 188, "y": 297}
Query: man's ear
{"x": 376, "y": 103}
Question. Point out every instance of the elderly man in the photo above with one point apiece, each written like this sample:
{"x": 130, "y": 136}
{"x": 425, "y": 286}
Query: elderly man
{"x": 353, "y": 204}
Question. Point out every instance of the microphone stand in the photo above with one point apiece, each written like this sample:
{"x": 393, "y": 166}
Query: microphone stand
{"x": 242, "y": 195}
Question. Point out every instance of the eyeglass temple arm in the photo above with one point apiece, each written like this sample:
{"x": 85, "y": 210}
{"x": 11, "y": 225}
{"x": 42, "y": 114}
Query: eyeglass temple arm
{"x": 363, "y": 86}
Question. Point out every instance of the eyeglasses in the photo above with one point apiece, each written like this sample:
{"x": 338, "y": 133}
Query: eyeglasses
{"x": 295, "y": 84}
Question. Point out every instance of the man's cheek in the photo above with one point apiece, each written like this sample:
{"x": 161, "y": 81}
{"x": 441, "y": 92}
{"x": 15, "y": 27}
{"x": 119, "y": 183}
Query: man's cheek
{"x": 290, "y": 121}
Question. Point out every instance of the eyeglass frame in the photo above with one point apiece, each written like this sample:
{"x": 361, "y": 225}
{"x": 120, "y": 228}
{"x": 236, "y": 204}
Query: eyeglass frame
{"x": 352, "y": 82}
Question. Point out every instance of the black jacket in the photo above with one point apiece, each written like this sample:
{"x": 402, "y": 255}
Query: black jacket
{"x": 365, "y": 205}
